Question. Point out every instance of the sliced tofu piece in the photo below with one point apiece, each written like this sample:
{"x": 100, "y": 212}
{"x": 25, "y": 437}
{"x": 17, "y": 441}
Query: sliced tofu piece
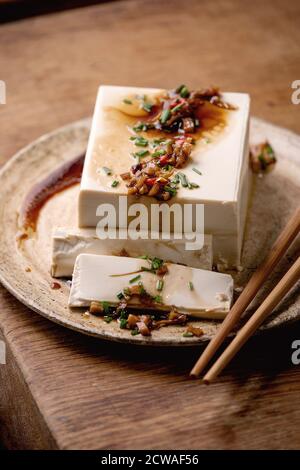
{"x": 67, "y": 244}
{"x": 101, "y": 278}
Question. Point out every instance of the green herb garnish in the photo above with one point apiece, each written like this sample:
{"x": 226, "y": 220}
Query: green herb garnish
{"x": 197, "y": 171}
{"x": 135, "y": 332}
{"x": 156, "y": 263}
{"x": 141, "y": 153}
{"x": 179, "y": 88}
{"x": 105, "y": 306}
{"x": 114, "y": 184}
{"x": 165, "y": 116}
{"x": 159, "y": 285}
{"x": 140, "y": 126}
{"x": 123, "y": 323}
{"x": 127, "y": 101}
{"x": 159, "y": 153}
{"x": 177, "y": 108}
{"x": 170, "y": 189}
{"x": 191, "y": 285}
{"x": 188, "y": 334}
{"x": 139, "y": 141}
{"x": 123, "y": 314}
{"x": 134, "y": 279}
{"x": 193, "y": 185}
{"x": 120, "y": 295}
{"x": 184, "y": 92}
{"x": 183, "y": 179}
{"x": 108, "y": 318}
{"x": 157, "y": 299}
{"x": 147, "y": 107}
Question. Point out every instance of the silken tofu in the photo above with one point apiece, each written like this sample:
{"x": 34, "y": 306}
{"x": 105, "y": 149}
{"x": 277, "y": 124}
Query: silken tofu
{"x": 67, "y": 244}
{"x": 102, "y": 278}
{"x": 220, "y": 154}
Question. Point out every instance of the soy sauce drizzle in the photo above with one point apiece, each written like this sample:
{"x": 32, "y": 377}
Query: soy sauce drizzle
{"x": 64, "y": 177}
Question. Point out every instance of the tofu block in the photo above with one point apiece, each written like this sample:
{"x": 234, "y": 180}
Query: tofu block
{"x": 67, "y": 244}
{"x": 101, "y": 278}
{"x": 221, "y": 156}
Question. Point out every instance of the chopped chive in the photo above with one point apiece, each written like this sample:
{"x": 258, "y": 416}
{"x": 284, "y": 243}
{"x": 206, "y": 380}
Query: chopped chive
{"x": 176, "y": 179}
{"x": 135, "y": 332}
{"x": 123, "y": 323}
{"x": 170, "y": 190}
{"x": 159, "y": 141}
{"x": 108, "y": 318}
{"x": 144, "y": 256}
{"x": 269, "y": 149}
{"x": 156, "y": 263}
{"x": 123, "y": 314}
{"x": 197, "y": 171}
{"x": 157, "y": 299}
{"x": 179, "y": 88}
{"x": 140, "y": 126}
{"x": 106, "y": 170}
{"x": 139, "y": 141}
{"x": 207, "y": 141}
{"x": 120, "y": 295}
{"x": 193, "y": 185}
{"x": 184, "y": 92}
{"x": 141, "y": 153}
{"x": 142, "y": 289}
{"x": 159, "y": 153}
{"x": 159, "y": 285}
{"x": 134, "y": 279}
{"x": 191, "y": 285}
{"x": 127, "y": 101}
{"x": 188, "y": 334}
{"x": 114, "y": 184}
{"x": 105, "y": 306}
{"x": 165, "y": 116}
{"x": 183, "y": 179}
{"x": 147, "y": 107}
{"x": 177, "y": 108}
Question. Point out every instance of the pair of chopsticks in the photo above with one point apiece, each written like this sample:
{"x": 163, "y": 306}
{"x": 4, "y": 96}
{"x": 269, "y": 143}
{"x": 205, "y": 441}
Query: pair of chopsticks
{"x": 256, "y": 281}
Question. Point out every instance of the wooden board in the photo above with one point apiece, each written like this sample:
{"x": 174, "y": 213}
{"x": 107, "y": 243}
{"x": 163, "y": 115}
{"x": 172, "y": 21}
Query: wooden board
{"x": 70, "y": 391}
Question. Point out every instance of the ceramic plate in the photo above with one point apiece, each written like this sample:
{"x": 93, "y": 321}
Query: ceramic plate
{"x": 25, "y": 272}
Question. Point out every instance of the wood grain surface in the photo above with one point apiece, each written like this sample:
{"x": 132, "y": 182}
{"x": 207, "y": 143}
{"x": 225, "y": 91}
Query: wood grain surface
{"x": 63, "y": 390}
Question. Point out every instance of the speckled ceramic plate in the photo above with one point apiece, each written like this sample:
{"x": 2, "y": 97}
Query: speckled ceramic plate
{"x": 25, "y": 272}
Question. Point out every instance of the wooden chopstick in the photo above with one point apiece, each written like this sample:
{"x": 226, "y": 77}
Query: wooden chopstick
{"x": 265, "y": 309}
{"x": 278, "y": 249}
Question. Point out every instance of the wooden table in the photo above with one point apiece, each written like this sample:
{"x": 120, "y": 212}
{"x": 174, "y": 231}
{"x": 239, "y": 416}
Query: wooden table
{"x": 60, "y": 389}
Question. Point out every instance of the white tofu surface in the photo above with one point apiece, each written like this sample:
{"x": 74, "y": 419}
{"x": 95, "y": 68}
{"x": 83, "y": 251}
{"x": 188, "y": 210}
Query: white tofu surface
{"x": 223, "y": 162}
{"x": 94, "y": 279}
{"x": 67, "y": 244}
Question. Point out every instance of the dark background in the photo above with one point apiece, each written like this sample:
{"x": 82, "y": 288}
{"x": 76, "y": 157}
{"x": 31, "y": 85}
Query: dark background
{"x": 12, "y": 10}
